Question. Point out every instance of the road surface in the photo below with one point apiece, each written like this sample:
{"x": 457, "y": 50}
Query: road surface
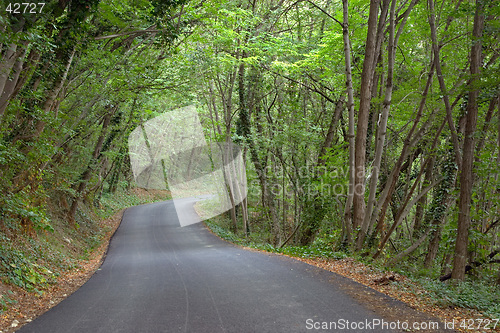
{"x": 160, "y": 277}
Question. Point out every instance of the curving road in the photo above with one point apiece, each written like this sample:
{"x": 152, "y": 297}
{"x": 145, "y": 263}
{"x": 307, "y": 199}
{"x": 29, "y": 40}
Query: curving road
{"x": 160, "y": 277}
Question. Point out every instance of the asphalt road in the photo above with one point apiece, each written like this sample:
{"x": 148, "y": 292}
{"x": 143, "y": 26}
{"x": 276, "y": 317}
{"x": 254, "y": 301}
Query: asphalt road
{"x": 160, "y": 277}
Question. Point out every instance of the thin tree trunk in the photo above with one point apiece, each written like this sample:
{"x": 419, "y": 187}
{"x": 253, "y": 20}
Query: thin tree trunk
{"x": 87, "y": 174}
{"x": 433, "y": 248}
{"x": 486, "y": 125}
{"x": 10, "y": 85}
{"x": 386, "y": 195}
{"x": 327, "y": 143}
{"x": 393, "y": 177}
{"x": 403, "y": 211}
{"x": 441, "y": 202}
{"x": 25, "y": 73}
{"x": 419, "y": 211}
{"x": 315, "y": 210}
{"x": 381, "y": 129}
{"x": 347, "y": 226}
{"x": 442, "y": 85}
{"x": 363, "y": 114}
{"x": 227, "y": 162}
{"x": 48, "y": 105}
{"x": 410, "y": 249}
{"x": 467, "y": 170}
{"x": 7, "y": 63}
{"x": 244, "y": 130}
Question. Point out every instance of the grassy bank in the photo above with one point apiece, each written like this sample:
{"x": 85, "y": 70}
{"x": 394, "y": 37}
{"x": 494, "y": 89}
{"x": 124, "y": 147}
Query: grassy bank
{"x": 33, "y": 261}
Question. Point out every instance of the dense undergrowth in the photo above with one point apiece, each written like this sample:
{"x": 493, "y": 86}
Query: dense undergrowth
{"x": 473, "y": 293}
{"x": 32, "y": 260}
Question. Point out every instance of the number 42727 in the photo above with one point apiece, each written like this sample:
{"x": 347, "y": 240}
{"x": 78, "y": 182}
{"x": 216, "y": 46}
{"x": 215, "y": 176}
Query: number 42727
{"x": 25, "y": 7}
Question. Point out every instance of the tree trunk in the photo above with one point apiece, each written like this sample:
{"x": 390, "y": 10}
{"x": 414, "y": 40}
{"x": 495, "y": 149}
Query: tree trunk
{"x": 347, "y": 226}
{"x": 87, "y": 174}
{"x": 436, "y": 216}
{"x": 386, "y": 195}
{"x": 227, "y": 163}
{"x": 403, "y": 211}
{"x": 10, "y": 85}
{"x": 253, "y": 107}
{"x": 409, "y": 142}
{"x": 381, "y": 129}
{"x": 25, "y": 73}
{"x": 243, "y": 129}
{"x": 467, "y": 170}
{"x": 7, "y": 63}
{"x": 315, "y": 211}
{"x": 409, "y": 250}
{"x": 49, "y": 103}
{"x": 363, "y": 114}
{"x": 421, "y": 204}
{"x": 437, "y": 62}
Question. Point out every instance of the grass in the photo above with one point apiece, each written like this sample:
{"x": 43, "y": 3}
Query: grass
{"x": 475, "y": 295}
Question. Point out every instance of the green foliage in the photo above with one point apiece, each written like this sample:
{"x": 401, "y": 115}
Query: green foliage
{"x": 123, "y": 198}
{"x": 20, "y": 269}
{"x": 6, "y": 301}
{"x": 312, "y": 251}
{"x": 18, "y": 207}
{"x": 322, "y": 247}
{"x": 476, "y": 295}
{"x": 224, "y": 233}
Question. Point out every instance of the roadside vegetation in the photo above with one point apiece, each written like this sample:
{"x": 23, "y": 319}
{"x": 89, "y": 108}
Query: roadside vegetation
{"x": 413, "y": 285}
{"x": 34, "y": 261}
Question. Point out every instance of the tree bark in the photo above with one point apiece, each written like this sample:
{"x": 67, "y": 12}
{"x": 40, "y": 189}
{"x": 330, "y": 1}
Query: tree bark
{"x": 87, "y": 174}
{"x": 409, "y": 142}
{"x": 381, "y": 128}
{"x": 421, "y": 204}
{"x": 363, "y": 114}
{"x": 8, "y": 60}
{"x": 243, "y": 129}
{"x": 467, "y": 170}
{"x": 347, "y": 225}
{"x": 10, "y": 85}
{"x": 467, "y": 268}
{"x": 437, "y": 62}
{"x": 409, "y": 250}
{"x": 386, "y": 196}
{"x": 403, "y": 211}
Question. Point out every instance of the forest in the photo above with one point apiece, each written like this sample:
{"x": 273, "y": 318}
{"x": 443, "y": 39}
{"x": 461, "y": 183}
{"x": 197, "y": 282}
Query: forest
{"x": 368, "y": 128}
